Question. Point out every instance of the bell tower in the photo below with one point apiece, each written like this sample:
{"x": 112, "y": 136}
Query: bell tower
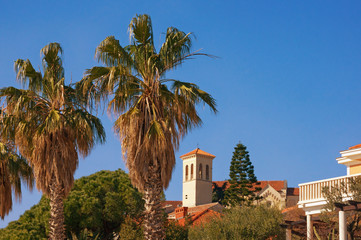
{"x": 197, "y": 178}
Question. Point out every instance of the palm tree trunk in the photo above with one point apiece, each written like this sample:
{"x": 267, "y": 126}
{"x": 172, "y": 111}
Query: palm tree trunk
{"x": 153, "y": 217}
{"x": 56, "y": 221}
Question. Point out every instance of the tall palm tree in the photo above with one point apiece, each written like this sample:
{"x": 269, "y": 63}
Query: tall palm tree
{"x": 13, "y": 170}
{"x": 153, "y": 112}
{"x": 51, "y": 127}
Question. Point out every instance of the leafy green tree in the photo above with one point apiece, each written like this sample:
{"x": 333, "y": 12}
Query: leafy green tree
{"x": 242, "y": 223}
{"x": 32, "y": 225}
{"x": 154, "y": 112}
{"x": 130, "y": 230}
{"x": 174, "y": 231}
{"x": 84, "y": 235}
{"x": 243, "y": 181}
{"x": 51, "y": 128}
{"x": 101, "y": 202}
{"x": 97, "y": 204}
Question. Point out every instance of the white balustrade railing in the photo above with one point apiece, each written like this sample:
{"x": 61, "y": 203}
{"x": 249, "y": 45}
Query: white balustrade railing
{"x": 312, "y": 191}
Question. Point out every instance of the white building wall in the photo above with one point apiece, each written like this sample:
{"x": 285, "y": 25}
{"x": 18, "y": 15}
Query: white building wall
{"x": 198, "y": 190}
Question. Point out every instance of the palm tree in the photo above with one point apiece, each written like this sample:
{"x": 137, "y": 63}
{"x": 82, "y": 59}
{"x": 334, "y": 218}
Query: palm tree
{"x": 153, "y": 112}
{"x": 13, "y": 170}
{"x": 51, "y": 127}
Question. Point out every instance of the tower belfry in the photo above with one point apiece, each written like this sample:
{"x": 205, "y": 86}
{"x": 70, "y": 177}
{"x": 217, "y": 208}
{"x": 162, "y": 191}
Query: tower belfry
{"x": 197, "y": 178}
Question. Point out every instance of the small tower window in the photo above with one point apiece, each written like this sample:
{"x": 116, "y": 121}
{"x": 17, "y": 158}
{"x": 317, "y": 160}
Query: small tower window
{"x": 187, "y": 173}
{"x": 200, "y": 171}
{"x": 207, "y": 172}
{"x": 192, "y": 171}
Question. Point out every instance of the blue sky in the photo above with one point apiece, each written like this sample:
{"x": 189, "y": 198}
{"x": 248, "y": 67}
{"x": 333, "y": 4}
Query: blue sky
{"x": 287, "y": 80}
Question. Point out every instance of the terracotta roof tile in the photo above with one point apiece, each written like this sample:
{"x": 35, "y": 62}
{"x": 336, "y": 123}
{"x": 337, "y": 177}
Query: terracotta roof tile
{"x": 293, "y": 214}
{"x": 354, "y": 147}
{"x": 200, "y": 214}
{"x": 277, "y": 185}
{"x": 201, "y": 217}
{"x": 198, "y": 152}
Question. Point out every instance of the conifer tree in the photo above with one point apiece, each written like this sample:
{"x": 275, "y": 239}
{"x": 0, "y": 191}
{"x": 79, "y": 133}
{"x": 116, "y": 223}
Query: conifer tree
{"x": 243, "y": 181}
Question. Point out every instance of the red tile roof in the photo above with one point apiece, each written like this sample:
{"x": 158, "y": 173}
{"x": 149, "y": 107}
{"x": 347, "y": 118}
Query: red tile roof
{"x": 354, "y": 147}
{"x": 293, "y": 214}
{"x": 200, "y": 217}
{"x": 198, "y": 152}
{"x": 277, "y": 185}
{"x": 200, "y": 214}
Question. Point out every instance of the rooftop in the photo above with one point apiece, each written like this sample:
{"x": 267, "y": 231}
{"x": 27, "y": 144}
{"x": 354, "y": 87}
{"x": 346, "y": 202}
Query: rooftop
{"x": 277, "y": 185}
{"x": 199, "y": 214}
{"x": 354, "y": 147}
{"x": 198, "y": 151}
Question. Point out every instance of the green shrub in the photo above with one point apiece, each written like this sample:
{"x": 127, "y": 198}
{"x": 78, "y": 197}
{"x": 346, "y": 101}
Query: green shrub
{"x": 241, "y": 223}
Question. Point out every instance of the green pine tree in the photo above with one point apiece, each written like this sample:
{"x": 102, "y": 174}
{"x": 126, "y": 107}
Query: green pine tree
{"x": 243, "y": 182}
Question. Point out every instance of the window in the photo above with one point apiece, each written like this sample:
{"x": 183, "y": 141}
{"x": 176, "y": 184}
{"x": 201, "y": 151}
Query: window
{"x": 192, "y": 171}
{"x": 187, "y": 173}
{"x": 200, "y": 171}
{"x": 207, "y": 172}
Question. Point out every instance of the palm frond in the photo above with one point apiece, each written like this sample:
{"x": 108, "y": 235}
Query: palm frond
{"x": 140, "y": 30}
{"x": 25, "y": 73}
{"x": 152, "y": 118}
{"x": 49, "y": 123}
{"x": 111, "y": 53}
{"x": 13, "y": 170}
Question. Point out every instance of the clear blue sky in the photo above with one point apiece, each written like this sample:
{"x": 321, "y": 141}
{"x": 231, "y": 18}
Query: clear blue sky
{"x": 287, "y": 83}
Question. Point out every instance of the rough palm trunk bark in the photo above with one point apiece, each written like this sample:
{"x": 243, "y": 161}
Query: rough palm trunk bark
{"x": 153, "y": 217}
{"x": 56, "y": 221}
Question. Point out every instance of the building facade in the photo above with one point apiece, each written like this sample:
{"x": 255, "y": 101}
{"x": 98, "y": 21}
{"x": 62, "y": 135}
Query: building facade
{"x": 197, "y": 178}
{"x": 312, "y": 200}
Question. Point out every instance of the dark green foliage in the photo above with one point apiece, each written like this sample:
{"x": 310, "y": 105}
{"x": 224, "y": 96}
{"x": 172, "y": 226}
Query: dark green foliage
{"x": 218, "y": 192}
{"x": 84, "y": 235}
{"x": 130, "y": 230}
{"x": 242, "y": 223}
{"x": 99, "y": 203}
{"x": 242, "y": 179}
{"x": 32, "y": 225}
{"x": 176, "y": 232}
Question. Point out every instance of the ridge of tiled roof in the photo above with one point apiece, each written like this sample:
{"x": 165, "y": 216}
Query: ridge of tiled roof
{"x": 198, "y": 151}
{"x": 201, "y": 213}
{"x": 200, "y": 208}
{"x": 278, "y": 185}
{"x": 354, "y": 147}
